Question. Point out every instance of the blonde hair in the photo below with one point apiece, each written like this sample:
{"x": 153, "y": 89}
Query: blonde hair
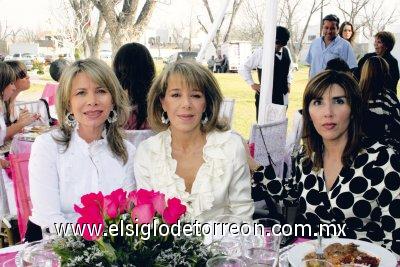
{"x": 196, "y": 76}
{"x": 101, "y": 74}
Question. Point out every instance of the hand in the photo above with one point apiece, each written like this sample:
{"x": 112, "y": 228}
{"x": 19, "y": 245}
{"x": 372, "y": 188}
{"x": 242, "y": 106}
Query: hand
{"x": 255, "y": 87}
{"x": 4, "y": 163}
{"x": 25, "y": 118}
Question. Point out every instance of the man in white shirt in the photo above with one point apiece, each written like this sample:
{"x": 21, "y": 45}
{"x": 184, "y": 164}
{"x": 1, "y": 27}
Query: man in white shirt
{"x": 329, "y": 46}
{"x": 282, "y": 69}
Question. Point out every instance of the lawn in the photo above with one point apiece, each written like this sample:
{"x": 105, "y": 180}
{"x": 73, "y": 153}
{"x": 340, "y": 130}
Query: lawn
{"x": 233, "y": 86}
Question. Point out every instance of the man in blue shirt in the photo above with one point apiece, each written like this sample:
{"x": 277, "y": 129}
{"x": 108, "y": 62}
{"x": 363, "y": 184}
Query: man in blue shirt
{"x": 329, "y": 46}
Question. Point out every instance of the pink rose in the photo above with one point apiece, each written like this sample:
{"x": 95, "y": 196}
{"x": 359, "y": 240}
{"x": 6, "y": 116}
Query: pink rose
{"x": 143, "y": 213}
{"x": 159, "y": 202}
{"x": 92, "y": 227}
{"x": 93, "y": 199}
{"x": 115, "y": 203}
{"x": 174, "y": 211}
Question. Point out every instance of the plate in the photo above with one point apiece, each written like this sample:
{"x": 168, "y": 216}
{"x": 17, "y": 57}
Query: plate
{"x": 297, "y": 253}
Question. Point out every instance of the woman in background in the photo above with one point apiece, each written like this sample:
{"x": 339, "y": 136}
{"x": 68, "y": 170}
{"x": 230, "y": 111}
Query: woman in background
{"x": 347, "y": 32}
{"x": 16, "y": 120}
{"x": 382, "y": 114}
{"x": 134, "y": 68}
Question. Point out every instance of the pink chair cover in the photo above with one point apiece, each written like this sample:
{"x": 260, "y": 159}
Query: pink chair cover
{"x": 49, "y": 93}
{"x": 19, "y": 167}
{"x": 6, "y": 258}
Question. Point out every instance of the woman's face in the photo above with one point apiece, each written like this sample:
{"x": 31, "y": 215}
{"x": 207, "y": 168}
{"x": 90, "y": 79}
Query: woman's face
{"x": 380, "y": 48}
{"x": 347, "y": 32}
{"x": 90, "y": 103}
{"x": 24, "y": 83}
{"x": 9, "y": 91}
{"x": 183, "y": 105}
{"x": 330, "y": 114}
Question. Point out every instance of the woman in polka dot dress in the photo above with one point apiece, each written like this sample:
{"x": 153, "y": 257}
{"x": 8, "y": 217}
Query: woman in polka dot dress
{"x": 339, "y": 176}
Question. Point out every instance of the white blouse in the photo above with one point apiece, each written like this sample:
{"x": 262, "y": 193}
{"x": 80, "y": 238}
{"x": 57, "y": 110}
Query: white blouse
{"x": 222, "y": 184}
{"x": 59, "y": 179}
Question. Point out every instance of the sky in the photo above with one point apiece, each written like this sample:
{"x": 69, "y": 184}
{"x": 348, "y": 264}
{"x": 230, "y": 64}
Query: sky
{"x": 36, "y": 14}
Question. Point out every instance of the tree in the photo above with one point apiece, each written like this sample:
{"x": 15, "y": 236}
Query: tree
{"x": 290, "y": 10}
{"x": 376, "y": 18}
{"x": 5, "y": 31}
{"x": 122, "y": 26}
{"x": 29, "y": 36}
{"x": 93, "y": 32}
{"x": 219, "y": 36}
{"x": 353, "y": 12}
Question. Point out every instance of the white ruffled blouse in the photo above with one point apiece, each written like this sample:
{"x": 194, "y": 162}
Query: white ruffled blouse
{"x": 222, "y": 184}
{"x": 58, "y": 178}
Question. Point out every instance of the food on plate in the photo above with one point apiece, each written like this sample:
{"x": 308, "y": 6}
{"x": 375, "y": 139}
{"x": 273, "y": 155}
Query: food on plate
{"x": 39, "y": 129}
{"x": 338, "y": 254}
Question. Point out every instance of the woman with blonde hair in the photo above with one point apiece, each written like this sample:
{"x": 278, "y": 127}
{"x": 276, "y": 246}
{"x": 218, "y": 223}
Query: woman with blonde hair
{"x": 382, "y": 116}
{"x": 87, "y": 153}
{"x": 194, "y": 156}
{"x": 340, "y": 177}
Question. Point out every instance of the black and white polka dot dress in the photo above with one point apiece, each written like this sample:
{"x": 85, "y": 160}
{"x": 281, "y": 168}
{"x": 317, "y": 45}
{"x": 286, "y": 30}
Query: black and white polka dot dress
{"x": 365, "y": 196}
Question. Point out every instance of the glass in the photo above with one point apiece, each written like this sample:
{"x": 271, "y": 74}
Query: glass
{"x": 352, "y": 265}
{"x": 224, "y": 240}
{"x": 39, "y": 254}
{"x": 316, "y": 263}
{"x": 225, "y": 261}
{"x": 263, "y": 257}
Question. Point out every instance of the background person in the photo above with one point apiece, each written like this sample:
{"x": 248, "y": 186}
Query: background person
{"x": 382, "y": 116}
{"x": 347, "y": 32}
{"x": 86, "y": 153}
{"x": 384, "y": 43}
{"x": 135, "y": 70}
{"x": 194, "y": 157}
{"x": 339, "y": 177}
{"x": 282, "y": 69}
{"x": 329, "y": 46}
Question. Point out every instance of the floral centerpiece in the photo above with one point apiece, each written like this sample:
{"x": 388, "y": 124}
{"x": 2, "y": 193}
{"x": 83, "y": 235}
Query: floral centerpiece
{"x": 131, "y": 229}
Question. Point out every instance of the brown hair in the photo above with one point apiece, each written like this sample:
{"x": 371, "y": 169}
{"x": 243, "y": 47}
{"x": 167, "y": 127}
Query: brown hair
{"x": 196, "y": 76}
{"x": 7, "y": 76}
{"x": 353, "y": 34}
{"x": 103, "y": 75}
{"x": 387, "y": 38}
{"x": 374, "y": 73}
{"x": 312, "y": 140}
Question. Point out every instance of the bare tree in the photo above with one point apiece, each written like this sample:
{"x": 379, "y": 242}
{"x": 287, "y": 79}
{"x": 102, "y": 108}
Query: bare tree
{"x": 122, "y": 26}
{"x": 376, "y": 19}
{"x": 290, "y": 10}
{"x": 352, "y": 13}
{"x": 93, "y": 33}
{"x": 219, "y": 36}
{"x": 5, "y": 31}
{"x": 29, "y": 36}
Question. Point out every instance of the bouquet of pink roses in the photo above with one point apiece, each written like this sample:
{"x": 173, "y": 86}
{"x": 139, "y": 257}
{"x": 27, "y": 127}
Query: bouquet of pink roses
{"x": 129, "y": 229}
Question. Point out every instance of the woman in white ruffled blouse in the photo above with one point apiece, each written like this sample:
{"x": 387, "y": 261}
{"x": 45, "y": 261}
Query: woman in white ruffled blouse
{"x": 87, "y": 153}
{"x": 194, "y": 156}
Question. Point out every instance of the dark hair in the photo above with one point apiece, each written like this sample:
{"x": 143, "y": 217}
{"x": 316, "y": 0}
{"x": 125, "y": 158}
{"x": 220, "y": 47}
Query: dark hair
{"x": 341, "y": 29}
{"x": 387, "y": 38}
{"x": 57, "y": 67}
{"x": 7, "y": 76}
{"x": 18, "y": 67}
{"x": 337, "y": 64}
{"x": 333, "y": 18}
{"x": 135, "y": 70}
{"x": 312, "y": 140}
{"x": 374, "y": 73}
{"x": 282, "y": 35}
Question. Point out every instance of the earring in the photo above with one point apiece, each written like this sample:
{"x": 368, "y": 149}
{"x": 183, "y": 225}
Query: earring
{"x": 113, "y": 117}
{"x": 164, "y": 118}
{"x": 70, "y": 120}
{"x": 205, "y": 119}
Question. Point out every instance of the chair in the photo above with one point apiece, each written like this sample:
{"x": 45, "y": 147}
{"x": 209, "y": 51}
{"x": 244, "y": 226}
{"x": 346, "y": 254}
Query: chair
{"x": 49, "y": 93}
{"x": 273, "y": 113}
{"x": 226, "y": 110}
{"x": 269, "y": 139}
{"x": 293, "y": 140}
{"x": 137, "y": 136}
{"x": 39, "y": 106}
{"x": 19, "y": 167}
